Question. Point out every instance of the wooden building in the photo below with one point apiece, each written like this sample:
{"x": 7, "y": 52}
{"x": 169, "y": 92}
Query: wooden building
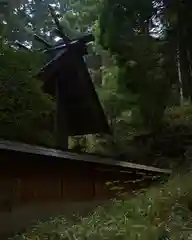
{"x": 34, "y": 174}
{"x": 66, "y": 77}
{"x": 37, "y": 182}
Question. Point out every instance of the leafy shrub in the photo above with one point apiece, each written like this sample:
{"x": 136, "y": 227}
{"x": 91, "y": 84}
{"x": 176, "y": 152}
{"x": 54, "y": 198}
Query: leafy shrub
{"x": 23, "y": 105}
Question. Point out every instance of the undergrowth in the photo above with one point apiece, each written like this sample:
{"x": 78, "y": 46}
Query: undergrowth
{"x": 161, "y": 213}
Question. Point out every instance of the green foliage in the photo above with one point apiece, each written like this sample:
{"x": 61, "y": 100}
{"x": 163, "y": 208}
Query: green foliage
{"x": 83, "y": 16}
{"x": 23, "y": 106}
{"x": 179, "y": 116}
{"x": 139, "y": 56}
{"x": 135, "y": 69}
{"x": 78, "y": 143}
{"x": 120, "y": 109}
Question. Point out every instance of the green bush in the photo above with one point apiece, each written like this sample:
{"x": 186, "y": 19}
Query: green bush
{"x": 179, "y": 115}
{"x": 24, "y": 108}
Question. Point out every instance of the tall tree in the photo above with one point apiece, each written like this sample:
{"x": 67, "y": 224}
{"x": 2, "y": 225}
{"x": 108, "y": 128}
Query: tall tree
{"x": 126, "y": 30}
{"x": 175, "y": 17}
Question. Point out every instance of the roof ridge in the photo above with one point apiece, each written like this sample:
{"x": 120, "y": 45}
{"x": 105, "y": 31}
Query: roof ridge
{"x": 35, "y": 149}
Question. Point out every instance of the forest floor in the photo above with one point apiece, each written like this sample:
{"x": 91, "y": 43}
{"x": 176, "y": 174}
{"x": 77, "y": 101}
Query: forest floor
{"x": 162, "y": 212}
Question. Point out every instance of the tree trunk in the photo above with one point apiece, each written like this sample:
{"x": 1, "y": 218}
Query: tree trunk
{"x": 180, "y": 78}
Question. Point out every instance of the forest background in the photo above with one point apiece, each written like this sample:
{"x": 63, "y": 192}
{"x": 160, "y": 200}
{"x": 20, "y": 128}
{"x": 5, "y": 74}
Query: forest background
{"x": 140, "y": 63}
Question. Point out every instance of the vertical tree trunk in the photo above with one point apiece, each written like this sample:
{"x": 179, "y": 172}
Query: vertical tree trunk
{"x": 180, "y": 78}
{"x": 190, "y": 71}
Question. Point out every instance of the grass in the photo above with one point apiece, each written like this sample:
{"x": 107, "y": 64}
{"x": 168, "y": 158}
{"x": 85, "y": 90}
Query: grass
{"x": 161, "y": 213}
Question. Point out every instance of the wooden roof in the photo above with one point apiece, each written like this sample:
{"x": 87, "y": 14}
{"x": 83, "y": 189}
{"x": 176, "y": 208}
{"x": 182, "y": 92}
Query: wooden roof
{"x": 84, "y": 157}
{"x": 80, "y": 103}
